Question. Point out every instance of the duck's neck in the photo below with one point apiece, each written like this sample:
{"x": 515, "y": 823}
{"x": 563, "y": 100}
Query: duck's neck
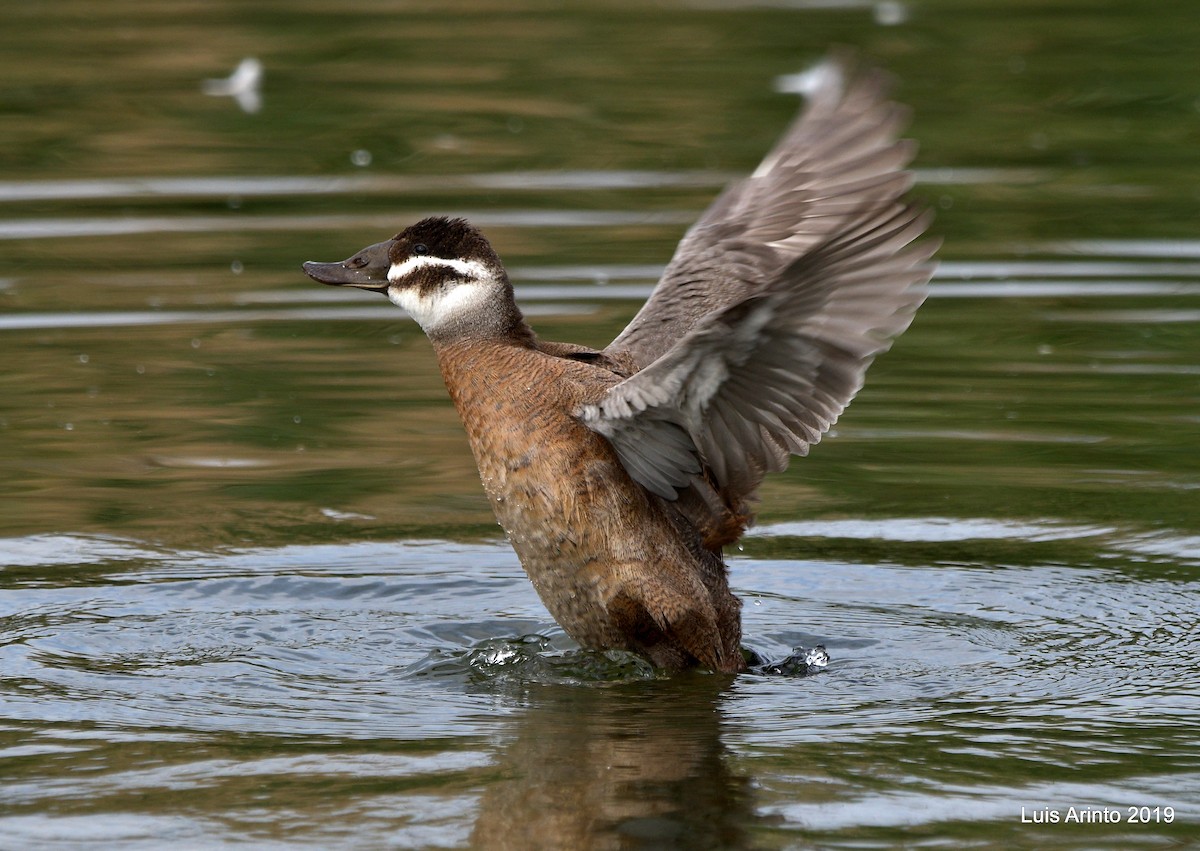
{"x": 506, "y": 331}
{"x": 472, "y": 313}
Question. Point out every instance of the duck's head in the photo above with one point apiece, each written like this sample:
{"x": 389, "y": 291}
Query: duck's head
{"x": 442, "y": 271}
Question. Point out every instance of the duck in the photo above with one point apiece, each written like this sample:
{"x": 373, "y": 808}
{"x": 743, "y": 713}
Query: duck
{"x": 621, "y": 475}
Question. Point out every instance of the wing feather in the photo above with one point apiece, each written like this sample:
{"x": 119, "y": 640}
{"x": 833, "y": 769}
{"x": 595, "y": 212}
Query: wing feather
{"x": 763, "y": 379}
{"x": 775, "y": 303}
{"x": 840, "y": 157}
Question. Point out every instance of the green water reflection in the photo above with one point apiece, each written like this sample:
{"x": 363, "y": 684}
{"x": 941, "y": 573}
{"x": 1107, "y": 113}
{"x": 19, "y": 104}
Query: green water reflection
{"x": 999, "y": 544}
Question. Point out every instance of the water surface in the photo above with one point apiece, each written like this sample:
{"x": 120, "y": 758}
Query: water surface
{"x": 251, "y": 592}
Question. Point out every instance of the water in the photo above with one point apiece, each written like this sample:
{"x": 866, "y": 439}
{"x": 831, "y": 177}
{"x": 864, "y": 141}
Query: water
{"x": 250, "y": 590}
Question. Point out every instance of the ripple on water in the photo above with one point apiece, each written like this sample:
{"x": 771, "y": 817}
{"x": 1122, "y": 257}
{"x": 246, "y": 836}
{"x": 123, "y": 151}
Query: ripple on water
{"x": 380, "y": 637}
{"x": 432, "y": 666}
{"x": 1013, "y": 652}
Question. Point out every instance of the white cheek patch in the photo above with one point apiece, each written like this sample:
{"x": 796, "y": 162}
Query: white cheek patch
{"x": 434, "y": 308}
{"x": 463, "y": 268}
{"x": 467, "y": 293}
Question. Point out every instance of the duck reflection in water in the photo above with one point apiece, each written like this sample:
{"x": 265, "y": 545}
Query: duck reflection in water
{"x": 634, "y": 765}
{"x": 620, "y": 474}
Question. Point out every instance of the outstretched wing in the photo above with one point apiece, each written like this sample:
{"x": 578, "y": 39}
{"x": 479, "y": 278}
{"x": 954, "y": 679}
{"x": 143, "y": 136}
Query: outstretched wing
{"x": 764, "y": 378}
{"x": 840, "y": 158}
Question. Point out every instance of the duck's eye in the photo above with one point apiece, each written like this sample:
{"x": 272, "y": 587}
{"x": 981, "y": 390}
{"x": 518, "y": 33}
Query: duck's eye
{"x": 420, "y": 248}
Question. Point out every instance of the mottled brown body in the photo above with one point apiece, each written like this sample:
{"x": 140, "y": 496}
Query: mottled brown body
{"x": 616, "y": 566}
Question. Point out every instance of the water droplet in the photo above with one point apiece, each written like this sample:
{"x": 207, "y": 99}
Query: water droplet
{"x": 195, "y": 342}
{"x": 236, "y": 267}
{"x": 361, "y": 157}
{"x": 296, "y": 419}
{"x": 83, "y": 358}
